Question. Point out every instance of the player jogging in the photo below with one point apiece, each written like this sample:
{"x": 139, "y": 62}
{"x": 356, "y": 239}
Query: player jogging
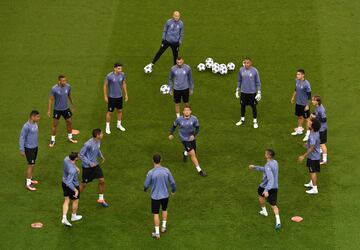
{"x": 114, "y": 86}
{"x": 269, "y": 186}
{"x": 188, "y": 129}
{"x": 250, "y": 87}
{"x": 60, "y": 94}
{"x": 28, "y": 143}
{"x": 159, "y": 179}
{"x": 91, "y": 170}
{"x": 320, "y": 114}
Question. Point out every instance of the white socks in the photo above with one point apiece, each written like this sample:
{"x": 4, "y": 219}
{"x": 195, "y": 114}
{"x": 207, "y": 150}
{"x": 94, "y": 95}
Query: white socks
{"x": 198, "y": 168}
{"x": 101, "y": 196}
{"x": 108, "y": 125}
{"x": 157, "y": 230}
{"x": 255, "y": 120}
{"x": 118, "y": 123}
{"x": 242, "y": 119}
{"x": 53, "y": 138}
{"x": 70, "y": 136}
{"x": 263, "y": 209}
{"x": 307, "y": 132}
{"x": 64, "y": 217}
{"x": 325, "y": 157}
{"x": 315, "y": 188}
{"x": 28, "y": 182}
{"x": 277, "y": 218}
{"x": 164, "y": 223}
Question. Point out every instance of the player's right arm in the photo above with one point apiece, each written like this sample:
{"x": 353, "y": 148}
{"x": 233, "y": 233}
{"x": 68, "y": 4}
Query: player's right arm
{"x": 238, "y": 84}
{"x": 165, "y": 31}
{"x": 83, "y": 156}
{"x": 51, "y": 100}
{"x": 172, "y": 129}
{"x": 22, "y": 137}
{"x": 294, "y": 95}
{"x": 172, "y": 182}
{"x": 147, "y": 181}
{"x": 105, "y": 91}
{"x": 171, "y": 78}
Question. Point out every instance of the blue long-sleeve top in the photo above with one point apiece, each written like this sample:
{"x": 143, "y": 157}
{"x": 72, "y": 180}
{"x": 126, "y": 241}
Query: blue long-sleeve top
{"x": 70, "y": 177}
{"x": 270, "y": 175}
{"x": 159, "y": 178}
{"x": 28, "y": 136}
{"x": 90, "y": 152}
{"x": 173, "y": 31}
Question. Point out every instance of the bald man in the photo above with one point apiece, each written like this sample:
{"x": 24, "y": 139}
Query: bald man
{"x": 173, "y": 34}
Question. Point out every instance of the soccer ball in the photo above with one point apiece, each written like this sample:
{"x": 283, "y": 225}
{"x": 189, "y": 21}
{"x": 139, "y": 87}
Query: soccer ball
{"x": 209, "y": 62}
{"x": 231, "y": 66}
{"x": 147, "y": 69}
{"x": 215, "y": 68}
{"x": 201, "y": 67}
{"x": 165, "y": 89}
{"x": 223, "y": 69}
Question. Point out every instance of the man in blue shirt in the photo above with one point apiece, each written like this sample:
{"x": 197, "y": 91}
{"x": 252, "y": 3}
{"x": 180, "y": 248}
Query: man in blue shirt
{"x": 60, "y": 94}
{"x": 320, "y": 114}
{"x": 313, "y": 155}
{"x": 159, "y": 178}
{"x": 173, "y": 35}
{"x": 28, "y": 143}
{"x": 114, "y": 87}
{"x": 269, "y": 186}
{"x": 70, "y": 186}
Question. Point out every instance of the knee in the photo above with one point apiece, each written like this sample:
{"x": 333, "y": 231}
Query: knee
{"x": 101, "y": 181}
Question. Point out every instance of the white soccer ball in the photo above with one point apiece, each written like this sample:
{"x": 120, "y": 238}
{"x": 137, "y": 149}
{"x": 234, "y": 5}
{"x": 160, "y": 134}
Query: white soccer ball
{"x": 215, "y": 68}
{"x": 231, "y": 66}
{"x": 165, "y": 89}
{"x": 147, "y": 69}
{"x": 223, "y": 70}
{"x": 201, "y": 67}
{"x": 209, "y": 62}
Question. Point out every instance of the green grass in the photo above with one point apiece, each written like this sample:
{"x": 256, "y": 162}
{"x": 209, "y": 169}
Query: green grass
{"x": 40, "y": 39}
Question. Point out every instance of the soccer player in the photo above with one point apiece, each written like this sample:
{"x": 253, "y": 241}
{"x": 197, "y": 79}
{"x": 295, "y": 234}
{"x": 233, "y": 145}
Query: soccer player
{"x": 115, "y": 82}
{"x": 181, "y": 83}
{"x": 60, "y": 94}
{"x": 90, "y": 166}
{"x": 173, "y": 35}
{"x": 28, "y": 142}
{"x": 70, "y": 186}
{"x": 313, "y": 155}
{"x": 249, "y": 86}
{"x": 320, "y": 114}
{"x": 188, "y": 129}
{"x": 269, "y": 186}
{"x": 159, "y": 178}
{"x": 302, "y": 94}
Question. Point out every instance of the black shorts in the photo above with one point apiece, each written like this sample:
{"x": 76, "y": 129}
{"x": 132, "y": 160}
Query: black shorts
{"x": 155, "y": 205}
{"x": 89, "y": 174}
{"x": 272, "y": 198}
{"x": 313, "y": 165}
{"x": 181, "y": 94}
{"x": 114, "y": 103}
{"x": 31, "y": 154}
{"x": 64, "y": 113}
{"x": 189, "y": 145}
{"x": 300, "y": 111}
{"x": 248, "y": 99}
{"x": 70, "y": 193}
{"x": 323, "y": 137}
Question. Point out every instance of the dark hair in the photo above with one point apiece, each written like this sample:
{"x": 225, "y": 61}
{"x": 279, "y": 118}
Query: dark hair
{"x": 156, "y": 158}
{"x": 34, "y": 112}
{"x": 117, "y": 65}
{"x": 302, "y": 71}
{"x": 61, "y": 77}
{"x": 96, "y": 132}
{"x": 73, "y": 155}
{"x": 248, "y": 58}
{"x": 317, "y": 98}
{"x": 187, "y": 106}
{"x": 270, "y": 152}
{"x": 179, "y": 58}
{"x": 315, "y": 125}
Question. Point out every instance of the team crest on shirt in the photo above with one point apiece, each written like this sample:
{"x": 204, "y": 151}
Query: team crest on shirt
{"x": 172, "y": 25}
{"x": 184, "y": 72}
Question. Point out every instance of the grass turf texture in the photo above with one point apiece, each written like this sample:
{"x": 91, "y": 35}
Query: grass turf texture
{"x": 41, "y": 39}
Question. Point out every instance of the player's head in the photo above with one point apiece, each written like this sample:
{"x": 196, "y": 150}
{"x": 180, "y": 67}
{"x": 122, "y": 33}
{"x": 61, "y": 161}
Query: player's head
{"x": 74, "y": 156}
{"x": 269, "y": 153}
{"x": 117, "y": 68}
{"x": 176, "y": 15}
{"x": 157, "y": 158}
{"x": 300, "y": 74}
{"x": 316, "y": 100}
{"x": 97, "y": 134}
{"x": 187, "y": 111}
{"x": 179, "y": 61}
{"x": 62, "y": 80}
{"x": 315, "y": 124}
{"x": 247, "y": 62}
{"x": 35, "y": 116}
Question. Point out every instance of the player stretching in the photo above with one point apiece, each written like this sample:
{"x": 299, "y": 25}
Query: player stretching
{"x": 188, "y": 129}
{"x": 159, "y": 178}
{"x": 302, "y": 94}
{"x": 313, "y": 155}
{"x": 115, "y": 82}
{"x": 70, "y": 186}
{"x": 320, "y": 114}
{"x": 250, "y": 87}
{"x": 90, "y": 166}
{"x": 269, "y": 186}
{"x": 181, "y": 83}
{"x": 28, "y": 142}
{"x": 60, "y": 94}
{"x": 173, "y": 34}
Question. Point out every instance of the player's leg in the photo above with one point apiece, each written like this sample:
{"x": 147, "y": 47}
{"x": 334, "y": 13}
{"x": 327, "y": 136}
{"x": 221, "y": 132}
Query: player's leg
{"x": 119, "y": 106}
{"x": 263, "y": 210}
{"x": 75, "y": 205}
{"x": 175, "y": 51}
{"x": 164, "y": 203}
{"x": 314, "y": 167}
{"x": 254, "y": 110}
{"x": 299, "y": 112}
{"x": 69, "y": 130}
{"x": 101, "y": 186}
{"x": 155, "y": 209}
{"x": 272, "y": 199}
{"x": 29, "y": 173}
{"x": 164, "y": 45}
{"x": 54, "y": 125}
{"x": 177, "y": 101}
{"x": 195, "y": 161}
{"x": 82, "y": 187}
{"x": 323, "y": 141}
{"x": 306, "y": 115}
{"x": 65, "y": 210}
{"x": 242, "y": 109}
{"x": 277, "y": 216}
{"x": 31, "y": 155}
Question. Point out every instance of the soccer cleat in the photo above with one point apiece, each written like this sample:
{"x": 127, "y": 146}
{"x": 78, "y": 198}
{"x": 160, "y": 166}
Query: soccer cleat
{"x": 184, "y": 156}
{"x": 163, "y": 230}
{"x": 76, "y": 218}
{"x": 34, "y": 182}
{"x": 52, "y": 144}
{"x": 66, "y": 222}
{"x": 107, "y": 131}
{"x": 102, "y": 202}
{"x": 322, "y": 162}
{"x": 263, "y": 213}
{"x": 239, "y": 123}
{"x": 297, "y": 131}
{"x": 256, "y": 125}
{"x": 306, "y": 138}
{"x": 202, "y": 173}
{"x": 308, "y": 185}
{"x": 277, "y": 226}
{"x": 31, "y": 188}
{"x": 72, "y": 140}
{"x": 312, "y": 191}
{"x": 121, "y": 128}
{"x": 155, "y": 235}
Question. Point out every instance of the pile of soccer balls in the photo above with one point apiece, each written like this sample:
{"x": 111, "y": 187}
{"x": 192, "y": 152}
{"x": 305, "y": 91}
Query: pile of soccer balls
{"x": 165, "y": 89}
{"x": 215, "y": 67}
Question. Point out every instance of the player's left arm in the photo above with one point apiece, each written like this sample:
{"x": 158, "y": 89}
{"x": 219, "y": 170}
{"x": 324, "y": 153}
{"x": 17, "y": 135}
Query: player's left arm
{"x": 101, "y": 156}
{"x": 191, "y": 81}
{"x": 308, "y": 93}
{"x": 172, "y": 183}
{"x": 181, "y": 34}
{"x": 270, "y": 178}
{"x": 310, "y": 149}
{"x": 172, "y": 129}
{"x": 71, "y": 100}
{"x": 22, "y": 137}
{"x": 147, "y": 181}
{"x": 258, "y": 86}
{"x": 125, "y": 90}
